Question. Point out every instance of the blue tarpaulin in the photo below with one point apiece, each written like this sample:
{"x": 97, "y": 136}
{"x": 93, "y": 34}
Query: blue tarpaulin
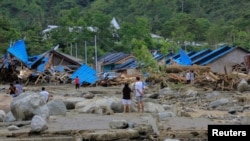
{"x": 85, "y": 74}
{"x": 19, "y": 51}
{"x": 183, "y": 59}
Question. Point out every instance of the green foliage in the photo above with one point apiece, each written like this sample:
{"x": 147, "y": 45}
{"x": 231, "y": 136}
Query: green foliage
{"x": 146, "y": 62}
{"x": 210, "y": 22}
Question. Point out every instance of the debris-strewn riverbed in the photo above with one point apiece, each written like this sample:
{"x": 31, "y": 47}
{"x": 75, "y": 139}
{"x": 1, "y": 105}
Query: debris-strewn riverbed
{"x": 95, "y": 113}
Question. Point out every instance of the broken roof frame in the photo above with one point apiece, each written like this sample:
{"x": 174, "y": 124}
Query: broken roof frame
{"x": 18, "y": 50}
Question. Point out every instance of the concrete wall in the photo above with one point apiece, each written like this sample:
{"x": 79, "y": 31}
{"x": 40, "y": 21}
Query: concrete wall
{"x": 229, "y": 60}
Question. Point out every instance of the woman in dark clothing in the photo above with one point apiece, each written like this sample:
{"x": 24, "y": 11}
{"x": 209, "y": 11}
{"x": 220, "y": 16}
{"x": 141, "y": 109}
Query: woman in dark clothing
{"x": 12, "y": 90}
{"x": 126, "y": 99}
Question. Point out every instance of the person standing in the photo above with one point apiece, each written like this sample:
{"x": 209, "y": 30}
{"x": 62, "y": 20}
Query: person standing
{"x": 45, "y": 94}
{"x": 19, "y": 88}
{"x": 77, "y": 82}
{"x": 188, "y": 77}
{"x": 12, "y": 90}
{"x": 126, "y": 99}
{"x": 139, "y": 93}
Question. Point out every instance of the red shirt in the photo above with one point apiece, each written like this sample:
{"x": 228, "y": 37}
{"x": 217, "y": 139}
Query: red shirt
{"x": 77, "y": 81}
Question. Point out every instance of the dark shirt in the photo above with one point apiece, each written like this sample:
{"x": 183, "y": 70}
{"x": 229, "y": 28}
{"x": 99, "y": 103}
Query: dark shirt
{"x": 126, "y": 93}
{"x": 12, "y": 90}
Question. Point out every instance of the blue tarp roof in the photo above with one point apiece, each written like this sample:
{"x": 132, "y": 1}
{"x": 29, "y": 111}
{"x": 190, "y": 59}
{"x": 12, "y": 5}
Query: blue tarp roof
{"x": 19, "y": 51}
{"x": 184, "y": 59}
{"x": 85, "y": 74}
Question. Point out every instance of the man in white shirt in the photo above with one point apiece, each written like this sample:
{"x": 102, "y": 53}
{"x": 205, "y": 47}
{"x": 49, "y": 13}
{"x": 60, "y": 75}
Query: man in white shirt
{"x": 139, "y": 93}
{"x": 45, "y": 94}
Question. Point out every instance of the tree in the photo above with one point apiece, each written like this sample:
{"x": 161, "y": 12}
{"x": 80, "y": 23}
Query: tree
{"x": 145, "y": 60}
{"x": 138, "y": 31}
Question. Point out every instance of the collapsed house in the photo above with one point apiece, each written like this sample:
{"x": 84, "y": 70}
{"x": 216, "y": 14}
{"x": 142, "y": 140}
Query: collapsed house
{"x": 49, "y": 67}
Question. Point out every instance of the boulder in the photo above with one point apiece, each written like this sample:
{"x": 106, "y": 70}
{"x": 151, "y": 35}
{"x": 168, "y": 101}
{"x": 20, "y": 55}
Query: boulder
{"x": 118, "y": 124}
{"x": 38, "y": 124}
{"x": 57, "y": 107}
{"x": 90, "y": 105}
{"x": 218, "y": 102}
{"x": 28, "y": 104}
{"x": 9, "y": 117}
{"x": 13, "y": 127}
{"x": 242, "y": 86}
{"x": 2, "y": 115}
{"x": 150, "y": 107}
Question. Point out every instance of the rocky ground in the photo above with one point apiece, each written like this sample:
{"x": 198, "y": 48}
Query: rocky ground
{"x": 95, "y": 113}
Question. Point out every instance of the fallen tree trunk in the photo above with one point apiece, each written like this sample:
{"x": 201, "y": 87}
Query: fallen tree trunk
{"x": 178, "y": 69}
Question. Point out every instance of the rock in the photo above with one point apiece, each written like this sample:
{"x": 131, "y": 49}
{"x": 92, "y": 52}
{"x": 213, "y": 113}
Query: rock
{"x": 212, "y": 95}
{"x": 191, "y": 93}
{"x": 28, "y": 104}
{"x": 103, "y": 110}
{"x": 163, "y": 116}
{"x": 242, "y": 86}
{"x": 150, "y": 107}
{"x": 88, "y": 95}
{"x": 9, "y": 117}
{"x": 131, "y": 124}
{"x": 143, "y": 128}
{"x": 166, "y": 91}
{"x": 232, "y": 111}
{"x": 70, "y": 102}
{"x": 218, "y": 102}
{"x": 57, "y": 107}
{"x": 117, "y": 107}
{"x": 2, "y": 115}
{"x": 38, "y": 124}
{"x": 167, "y": 107}
{"x": 13, "y": 127}
{"x": 89, "y": 105}
{"x": 154, "y": 96}
{"x": 118, "y": 124}
{"x": 111, "y": 135}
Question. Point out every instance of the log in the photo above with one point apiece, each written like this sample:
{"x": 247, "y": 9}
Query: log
{"x": 177, "y": 77}
{"x": 212, "y": 75}
{"x": 178, "y": 69}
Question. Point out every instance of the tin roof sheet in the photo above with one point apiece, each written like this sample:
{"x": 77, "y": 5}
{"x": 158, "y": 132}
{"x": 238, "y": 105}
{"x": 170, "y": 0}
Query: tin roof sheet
{"x": 85, "y": 74}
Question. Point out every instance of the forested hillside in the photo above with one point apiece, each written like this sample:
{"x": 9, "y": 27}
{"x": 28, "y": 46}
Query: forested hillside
{"x": 207, "y": 22}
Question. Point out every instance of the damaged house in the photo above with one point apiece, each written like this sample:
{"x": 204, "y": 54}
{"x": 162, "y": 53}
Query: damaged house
{"x": 49, "y": 67}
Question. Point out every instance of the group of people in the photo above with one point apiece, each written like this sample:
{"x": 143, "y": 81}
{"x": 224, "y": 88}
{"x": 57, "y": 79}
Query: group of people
{"x": 16, "y": 89}
{"x": 127, "y": 96}
{"x": 190, "y": 76}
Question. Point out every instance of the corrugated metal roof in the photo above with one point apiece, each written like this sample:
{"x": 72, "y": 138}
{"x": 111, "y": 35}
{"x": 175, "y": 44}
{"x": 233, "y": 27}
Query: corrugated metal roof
{"x": 130, "y": 63}
{"x": 113, "y": 57}
{"x": 159, "y": 57}
{"x": 199, "y": 54}
{"x": 19, "y": 51}
{"x": 173, "y": 57}
{"x": 213, "y": 55}
{"x": 85, "y": 74}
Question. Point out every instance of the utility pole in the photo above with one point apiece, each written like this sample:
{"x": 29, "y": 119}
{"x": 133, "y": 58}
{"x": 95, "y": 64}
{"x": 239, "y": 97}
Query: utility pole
{"x": 86, "y": 62}
{"x": 95, "y": 55}
{"x": 71, "y": 49}
{"x": 76, "y": 49}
